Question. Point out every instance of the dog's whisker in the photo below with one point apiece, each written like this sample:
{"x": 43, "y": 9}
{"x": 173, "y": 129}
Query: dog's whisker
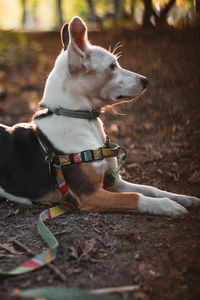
{"x": 118, "y": 55}
{"x": 117, "y": 46}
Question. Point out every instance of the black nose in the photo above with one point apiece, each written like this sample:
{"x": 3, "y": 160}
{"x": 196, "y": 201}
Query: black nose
{"x": 144, "y": 82}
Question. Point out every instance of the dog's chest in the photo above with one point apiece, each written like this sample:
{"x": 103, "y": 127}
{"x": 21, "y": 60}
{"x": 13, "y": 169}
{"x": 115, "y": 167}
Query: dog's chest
{"x": 70, "y": 135}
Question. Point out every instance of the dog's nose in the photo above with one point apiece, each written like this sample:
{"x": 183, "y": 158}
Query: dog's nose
{"x": 144, "y": 82}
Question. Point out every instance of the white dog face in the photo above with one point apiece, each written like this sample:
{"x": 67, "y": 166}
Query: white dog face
{"x": 94, "y": 73}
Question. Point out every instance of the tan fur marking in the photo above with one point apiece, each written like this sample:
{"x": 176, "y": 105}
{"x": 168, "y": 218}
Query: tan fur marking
{"x": 103, "y": 200}
{"x": 90, "y": 172}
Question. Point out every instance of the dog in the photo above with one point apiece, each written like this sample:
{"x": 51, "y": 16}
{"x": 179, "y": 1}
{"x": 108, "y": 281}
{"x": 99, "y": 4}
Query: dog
{"x": 85, "y": 79}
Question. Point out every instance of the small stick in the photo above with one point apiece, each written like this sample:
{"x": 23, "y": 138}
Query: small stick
{"x": 10, "y": 214}
{"x": 19, "y": 244}
{"x": 9, "y": 249}
{"x": 62, "y": 232}
{"x": 119, "y": 289}
{"x": 50, "y": 265}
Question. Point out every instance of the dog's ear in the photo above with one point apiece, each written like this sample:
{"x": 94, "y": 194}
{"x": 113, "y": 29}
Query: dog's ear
{"x": 64, "y": 34}
{"x": 78, "y": 33}
{"x": 78, "y": 45}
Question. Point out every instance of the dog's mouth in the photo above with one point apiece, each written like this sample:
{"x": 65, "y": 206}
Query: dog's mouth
{"x": 123, "y": 97}
{"x": 129, "y": 98}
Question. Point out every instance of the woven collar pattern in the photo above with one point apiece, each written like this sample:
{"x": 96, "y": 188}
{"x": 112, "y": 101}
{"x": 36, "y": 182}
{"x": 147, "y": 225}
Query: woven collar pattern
{"x": 110, "y": 150}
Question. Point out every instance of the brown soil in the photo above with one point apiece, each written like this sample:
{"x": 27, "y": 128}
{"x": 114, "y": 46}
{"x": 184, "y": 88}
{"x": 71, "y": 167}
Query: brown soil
{"x": 161, "y": 134}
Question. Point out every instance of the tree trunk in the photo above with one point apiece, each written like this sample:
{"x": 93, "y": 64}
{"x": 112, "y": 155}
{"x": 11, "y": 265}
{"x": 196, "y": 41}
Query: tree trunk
{"x": 197, "y": 5}
{"x": 132, "y": 9}
{"x": 92, "y": 10}
{"x": 60, "y": 14}
{"x": 164, "y": 12}
{"x": 118, "y": 5}
{"x": 23, "y": 3}
{"x": 148, "y": 12}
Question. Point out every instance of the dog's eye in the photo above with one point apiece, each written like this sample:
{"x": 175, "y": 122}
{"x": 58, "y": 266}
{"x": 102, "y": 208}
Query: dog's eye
{"x": 113, "y": 66}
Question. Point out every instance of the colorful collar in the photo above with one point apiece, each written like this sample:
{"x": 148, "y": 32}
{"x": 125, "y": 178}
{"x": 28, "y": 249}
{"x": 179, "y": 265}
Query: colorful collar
{"x": 109, "y": 150}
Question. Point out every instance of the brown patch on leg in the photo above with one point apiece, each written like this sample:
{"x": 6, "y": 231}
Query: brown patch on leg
{"x": 103, "y": 200}
{"x": 87, "y": 186}
{"x": 79, "y": 180}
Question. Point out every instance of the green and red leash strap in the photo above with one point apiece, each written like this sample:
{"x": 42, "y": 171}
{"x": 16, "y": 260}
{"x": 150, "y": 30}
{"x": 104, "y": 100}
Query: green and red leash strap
{"x": 49, "y": 254}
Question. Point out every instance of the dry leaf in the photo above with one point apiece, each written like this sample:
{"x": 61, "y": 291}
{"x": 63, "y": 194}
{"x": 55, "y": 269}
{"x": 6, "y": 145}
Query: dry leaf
{"x": 195, "y": 178}
{"x": 16, "y": 292}
{"x": 148, "y": 126}
{"x": 85, "y": 250}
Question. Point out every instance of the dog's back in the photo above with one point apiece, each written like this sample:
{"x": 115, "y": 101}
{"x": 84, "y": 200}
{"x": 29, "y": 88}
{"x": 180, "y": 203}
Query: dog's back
{"x": 23, "y": 171}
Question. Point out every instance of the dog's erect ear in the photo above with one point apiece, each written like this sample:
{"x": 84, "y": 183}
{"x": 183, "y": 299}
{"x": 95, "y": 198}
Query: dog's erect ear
{"x": 65, "y": 35}
{"x": 78, "y": 33}
{"x": 78, "y": 45}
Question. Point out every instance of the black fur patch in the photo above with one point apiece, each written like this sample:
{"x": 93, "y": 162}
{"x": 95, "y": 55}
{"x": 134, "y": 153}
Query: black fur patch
{"x": 23, "y": 170}
{"x": 109, "y": 180}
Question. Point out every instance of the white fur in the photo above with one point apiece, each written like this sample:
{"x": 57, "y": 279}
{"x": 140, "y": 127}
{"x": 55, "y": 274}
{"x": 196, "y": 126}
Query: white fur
{"x": 19, "y": 200}
{"x": 161, "y": 206}
{"x": 124, "y": 186}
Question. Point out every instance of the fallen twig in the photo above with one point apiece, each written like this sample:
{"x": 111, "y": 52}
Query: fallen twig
{"x": 6, "y": 255}
{"x": 8, "y": 248}
{"x": 118, "y": 289}
{"x": 12, "y": 213}
{"x": 65, "y": 231}
{"x": 50, "y": 265}
{"x": 20, "y": 245}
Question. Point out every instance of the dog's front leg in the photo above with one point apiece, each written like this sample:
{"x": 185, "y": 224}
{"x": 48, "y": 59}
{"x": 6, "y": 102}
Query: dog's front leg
{"x": 103, "y": 200}
{"x": 149, "y": 191}
{"x": 86, "y": 185}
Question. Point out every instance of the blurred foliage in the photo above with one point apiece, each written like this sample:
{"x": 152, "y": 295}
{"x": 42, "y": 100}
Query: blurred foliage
{"x": 14, "y": 49}
{"x": 43, "y": 14}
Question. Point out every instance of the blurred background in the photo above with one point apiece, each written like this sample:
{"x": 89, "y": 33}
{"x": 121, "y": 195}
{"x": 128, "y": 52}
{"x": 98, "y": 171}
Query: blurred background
{"x": 50, "y": 14}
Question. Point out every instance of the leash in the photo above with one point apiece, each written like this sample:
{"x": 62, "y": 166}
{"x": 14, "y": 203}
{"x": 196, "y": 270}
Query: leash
{"x": 49, "y": 254}
{"x": 69, "y": 204}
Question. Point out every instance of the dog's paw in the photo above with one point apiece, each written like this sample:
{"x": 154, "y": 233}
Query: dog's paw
{"x": 170, "y": 208}
{"x": 187, "y": 200}
{"x": 161, "y": 206}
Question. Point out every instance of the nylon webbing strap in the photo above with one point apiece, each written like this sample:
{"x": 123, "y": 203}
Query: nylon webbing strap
{"x": 47, "y": 255}
{"x": 79, "y": 114}
{"x": 111, "y": 150}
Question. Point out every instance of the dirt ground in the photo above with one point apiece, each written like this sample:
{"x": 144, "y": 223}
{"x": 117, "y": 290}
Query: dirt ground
{"x": 161, "y": 134}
